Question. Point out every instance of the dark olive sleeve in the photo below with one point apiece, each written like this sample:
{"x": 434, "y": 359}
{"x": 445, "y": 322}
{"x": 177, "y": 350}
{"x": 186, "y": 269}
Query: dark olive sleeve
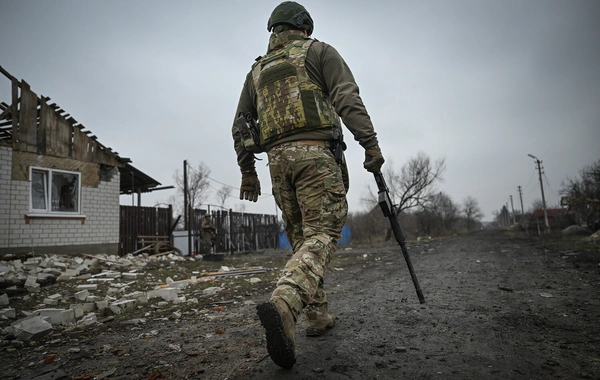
{"x": 327, "y": 68}
{"x": 247, "y": 103}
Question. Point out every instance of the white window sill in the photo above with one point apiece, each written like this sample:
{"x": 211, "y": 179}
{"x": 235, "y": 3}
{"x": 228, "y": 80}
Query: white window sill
{"x": 30, "y": 216}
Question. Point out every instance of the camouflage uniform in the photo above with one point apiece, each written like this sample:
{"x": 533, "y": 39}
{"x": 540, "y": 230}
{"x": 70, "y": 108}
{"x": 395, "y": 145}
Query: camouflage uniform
{"x": 207, "y": 231}
{"x": 308, "y": 188}
{"x": 308, "y": 185}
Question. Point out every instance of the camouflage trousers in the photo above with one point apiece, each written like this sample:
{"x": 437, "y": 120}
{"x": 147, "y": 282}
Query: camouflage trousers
{"x": 308, "y": 188}
{"x": 207, "y": 238}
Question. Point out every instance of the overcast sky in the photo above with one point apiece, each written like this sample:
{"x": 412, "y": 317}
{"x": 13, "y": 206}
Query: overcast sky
{"x": 480, "y": 83}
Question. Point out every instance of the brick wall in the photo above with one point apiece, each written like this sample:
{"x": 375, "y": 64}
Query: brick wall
{"x": 5, "y": 170}
{"x": 99, "y": 204}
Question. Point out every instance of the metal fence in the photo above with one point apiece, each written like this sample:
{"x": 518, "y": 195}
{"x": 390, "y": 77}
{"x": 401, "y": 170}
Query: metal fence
{"x": 235, "y": 232}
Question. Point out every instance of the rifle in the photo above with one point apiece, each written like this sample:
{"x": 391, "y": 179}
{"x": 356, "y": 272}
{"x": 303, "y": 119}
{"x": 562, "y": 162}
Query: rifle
{"x": 389, "y": 212}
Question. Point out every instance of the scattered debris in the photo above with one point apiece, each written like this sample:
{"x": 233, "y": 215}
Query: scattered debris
{"x": 83, "y": 277}
{"x": 31, "y": 328}
{"x": 212, "y": 290}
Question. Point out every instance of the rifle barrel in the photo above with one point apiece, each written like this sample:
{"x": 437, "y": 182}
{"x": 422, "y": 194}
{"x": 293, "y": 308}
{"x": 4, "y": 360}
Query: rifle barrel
{"x": 398, "y": 234}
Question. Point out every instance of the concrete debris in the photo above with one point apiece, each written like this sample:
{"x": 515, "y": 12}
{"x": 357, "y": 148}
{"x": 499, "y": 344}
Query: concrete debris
{"x": 135, "y": 321}
{"x": 129, "y": 276}
{"x": 82, "y": 308}
{"x": 84, "y": 295}
{"x": 140, "y": 297}
{"x": 88, "y": 319}
{"x": 31, "y": 328}
{"x": 168, "y": 294}
{"x": 122, "y": 306}
{"x": 175, "y": 347}
{"x": 31, "y": 281}
{"x": 8, "y": 313}
{"x": 212, "y": 290}
{"x": 235, "y": 272}
{"x": 87, "y": 287}
{"x": 50, "y": 302}
{"x": 57, "y": 316}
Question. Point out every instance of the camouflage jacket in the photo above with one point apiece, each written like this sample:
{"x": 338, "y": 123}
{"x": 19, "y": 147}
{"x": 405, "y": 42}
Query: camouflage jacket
{"x": 328, "y": 70}
{"x": 207, "y": 226}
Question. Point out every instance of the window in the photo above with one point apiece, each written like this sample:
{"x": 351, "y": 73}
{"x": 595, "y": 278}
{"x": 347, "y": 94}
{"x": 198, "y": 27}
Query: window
{"x": 55, "y": 191}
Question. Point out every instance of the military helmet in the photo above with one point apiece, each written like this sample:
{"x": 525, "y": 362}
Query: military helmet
{"x": 293, "y": 14}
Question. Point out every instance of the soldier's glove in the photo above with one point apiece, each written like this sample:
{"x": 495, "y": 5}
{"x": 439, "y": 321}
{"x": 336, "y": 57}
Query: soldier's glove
{"x": 250, "y": 189}
{"x": 373, "y": 159}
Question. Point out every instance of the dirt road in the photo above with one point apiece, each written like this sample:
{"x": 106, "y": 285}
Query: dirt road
{"x": 497, "y": 307}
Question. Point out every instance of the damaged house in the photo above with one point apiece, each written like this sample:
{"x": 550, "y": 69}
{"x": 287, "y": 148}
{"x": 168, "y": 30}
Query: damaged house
{"x": 59, "y": 186}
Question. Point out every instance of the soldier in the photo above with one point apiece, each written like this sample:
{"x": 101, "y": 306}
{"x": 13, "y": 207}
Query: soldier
{"x": 207, "y": 231}
{"x": 296, "y": 92}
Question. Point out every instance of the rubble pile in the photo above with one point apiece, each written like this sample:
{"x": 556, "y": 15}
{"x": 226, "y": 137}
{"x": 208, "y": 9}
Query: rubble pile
{"x": 91, "y": 287}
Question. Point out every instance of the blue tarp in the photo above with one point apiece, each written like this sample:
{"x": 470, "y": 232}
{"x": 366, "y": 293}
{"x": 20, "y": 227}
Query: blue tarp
{"x": 345, "y": 240}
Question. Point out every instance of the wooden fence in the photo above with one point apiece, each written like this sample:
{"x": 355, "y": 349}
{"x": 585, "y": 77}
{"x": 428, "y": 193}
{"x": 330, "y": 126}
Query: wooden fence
{"x": 137, "y": 221}
{"x": 235, "y": 232}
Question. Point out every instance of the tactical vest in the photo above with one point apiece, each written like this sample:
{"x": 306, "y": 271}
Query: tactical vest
{"x": 287, "y": 100}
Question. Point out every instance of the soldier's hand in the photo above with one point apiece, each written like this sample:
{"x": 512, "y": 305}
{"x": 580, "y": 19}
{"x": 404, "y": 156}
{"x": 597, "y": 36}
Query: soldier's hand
{"x": 373, "y": 159}
{"x": 250, "y": 189}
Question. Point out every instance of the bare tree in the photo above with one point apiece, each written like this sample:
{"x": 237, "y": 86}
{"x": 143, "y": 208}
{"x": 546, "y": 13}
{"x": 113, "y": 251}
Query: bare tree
{"x": 198, "y": 186}
{"x": 472, "y": 211}
{"x": 444, "y": 209}
{"x": 413, "y": 185}
{"x": 223, "y": 193}
{"x": 502, "y": 217}
{"x": 582, "y": 195}
{"x": 537, "y": 204}
{"x": 438, "y": 216}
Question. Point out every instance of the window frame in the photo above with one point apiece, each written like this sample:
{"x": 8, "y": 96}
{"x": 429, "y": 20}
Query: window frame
{"x": 47, "y": 212}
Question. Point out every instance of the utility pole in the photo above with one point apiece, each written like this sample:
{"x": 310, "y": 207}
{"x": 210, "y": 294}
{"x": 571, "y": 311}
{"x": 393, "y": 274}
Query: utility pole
{"x": 521, "y": 197}
{"x": 512, "y": 207}
{"x": 186, "y": 216}
{"x": 539, "y": 168}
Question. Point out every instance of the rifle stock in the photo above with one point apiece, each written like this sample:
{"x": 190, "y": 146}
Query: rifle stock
{"x": 389, "y": 212}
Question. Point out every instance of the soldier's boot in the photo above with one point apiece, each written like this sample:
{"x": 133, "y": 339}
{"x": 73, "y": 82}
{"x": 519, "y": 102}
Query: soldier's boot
{"x": 319, "y": 321}
{"x": 280, "y": 325}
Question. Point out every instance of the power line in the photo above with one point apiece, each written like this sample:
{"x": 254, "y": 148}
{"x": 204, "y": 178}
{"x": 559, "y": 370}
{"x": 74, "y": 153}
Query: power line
{"x": 479, "y": 191}
{"x": 555, "y": 196}
{"x": 533, "y": 173}
{"x": 224, "y": 184}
